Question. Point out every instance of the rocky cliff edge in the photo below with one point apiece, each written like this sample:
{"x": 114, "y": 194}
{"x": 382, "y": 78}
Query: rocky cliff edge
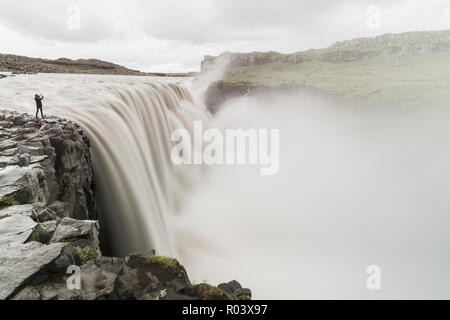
{"x": 49, "y": 235}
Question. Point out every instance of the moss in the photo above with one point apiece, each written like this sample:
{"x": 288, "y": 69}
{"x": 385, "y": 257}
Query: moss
{"x": 86, "y": 254}
{"x": 166, "y": 263}
{"x": 35, "y": 235}
{"x": 208, "y": 292}
{"x": 8, "y": 201}
{"x": 126, "y": 295}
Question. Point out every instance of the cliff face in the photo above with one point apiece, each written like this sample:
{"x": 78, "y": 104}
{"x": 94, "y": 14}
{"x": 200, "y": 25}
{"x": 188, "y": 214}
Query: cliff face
{"x": 342, "y": 51}
{"x": 48, "y": 227}
{"x": 46, "y": 161}
{"x": 408, "y": 68}
{"x": 46, "y": 185}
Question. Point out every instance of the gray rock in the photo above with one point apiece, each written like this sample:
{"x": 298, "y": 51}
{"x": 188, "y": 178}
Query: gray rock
{"x": 40, "y": 234}
{"x": 18, "y": 263}
{"x": 8, "y": 152}
{"x": 244, "y": 292}
{"x": 96, "y": 283}
{"x": 69, "y": 256}
{"x": 31, "y": 150}
{"x": 133, "y": 284}
{"x": 60, "y": 208}
{"x": 7, "y": 144}
{"x": 45, "y": 214}
{"x": 114, "y": 265}
{"x": 46, "y": 161}
{"x": 57, "y": 291}
{"x": 37, "y": 159}
{"x": 28, "y": 293}
{"x": 70, "y": 228}
{"x": 15, "y": 229}
{"x": 23, "y": 182}
{"x": 235, "y": 289}
{"x": 25, "y": 209}
{"x": 23, "y": 160}
{"x": 8, "y": 161}
{"x": 230, "y": 287}
{"x": 49, "y": 226}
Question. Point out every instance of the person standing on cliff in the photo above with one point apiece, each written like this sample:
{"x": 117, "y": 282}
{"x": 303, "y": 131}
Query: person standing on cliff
{"x": 38, "y": 100}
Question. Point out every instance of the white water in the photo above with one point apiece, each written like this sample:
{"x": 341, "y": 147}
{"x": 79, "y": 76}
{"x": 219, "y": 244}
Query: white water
{"x": 129, "y": 121}
{"x": 356, "y": 187}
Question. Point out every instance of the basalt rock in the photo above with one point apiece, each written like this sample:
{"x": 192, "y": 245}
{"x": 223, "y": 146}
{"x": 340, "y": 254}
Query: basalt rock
{"x": 220, "y": 91}
{"x": 48, "y": 234}
{"x": 46, "y": 161}
{"x": 31, "y": 251}
{"x": 135, "y": 277}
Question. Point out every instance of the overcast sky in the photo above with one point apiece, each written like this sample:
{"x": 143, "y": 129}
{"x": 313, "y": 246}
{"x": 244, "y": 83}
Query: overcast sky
{"x": 174, "y": 35}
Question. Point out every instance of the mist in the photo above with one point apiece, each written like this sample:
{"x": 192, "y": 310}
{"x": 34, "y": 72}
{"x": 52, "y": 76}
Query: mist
{"x": 357, "y": 186}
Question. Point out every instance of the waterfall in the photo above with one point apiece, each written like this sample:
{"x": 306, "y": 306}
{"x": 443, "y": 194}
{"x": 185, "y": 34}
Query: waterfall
{"x": 138, "y": 186}
{"x": 356, "y": 187}
{"x": 129, "y": 121}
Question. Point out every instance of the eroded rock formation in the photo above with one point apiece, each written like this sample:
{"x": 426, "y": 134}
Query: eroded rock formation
{"x": 48, "y": 225}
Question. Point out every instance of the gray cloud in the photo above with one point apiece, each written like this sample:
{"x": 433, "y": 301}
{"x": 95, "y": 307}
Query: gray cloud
{"x": 146, "y": 33}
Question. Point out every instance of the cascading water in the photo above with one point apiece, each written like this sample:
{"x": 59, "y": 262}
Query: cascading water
{"x": 139, "y": 187}
{"x": 356, "y": 187}
{"x": 130, "y": 130}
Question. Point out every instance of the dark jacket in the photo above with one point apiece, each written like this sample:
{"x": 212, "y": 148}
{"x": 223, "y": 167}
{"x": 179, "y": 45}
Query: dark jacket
{"x": 38, "y": 101}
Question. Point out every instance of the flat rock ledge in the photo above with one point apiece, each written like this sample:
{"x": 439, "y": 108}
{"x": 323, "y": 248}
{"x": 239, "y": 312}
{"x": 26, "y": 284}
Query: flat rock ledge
{"x": 49, "y": 235}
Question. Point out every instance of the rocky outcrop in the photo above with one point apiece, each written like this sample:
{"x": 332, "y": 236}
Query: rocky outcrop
{"x": 135, "y": 277}
{"x": 49, "y": 238}
{"x": 379, "y": 64}
{"x": 36, "y": 245}
{"x": 219, "y": 92}
{"x": 46, "y": 186}
{"x": 46, "y": 161}
{"x": 341, "y": 52}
